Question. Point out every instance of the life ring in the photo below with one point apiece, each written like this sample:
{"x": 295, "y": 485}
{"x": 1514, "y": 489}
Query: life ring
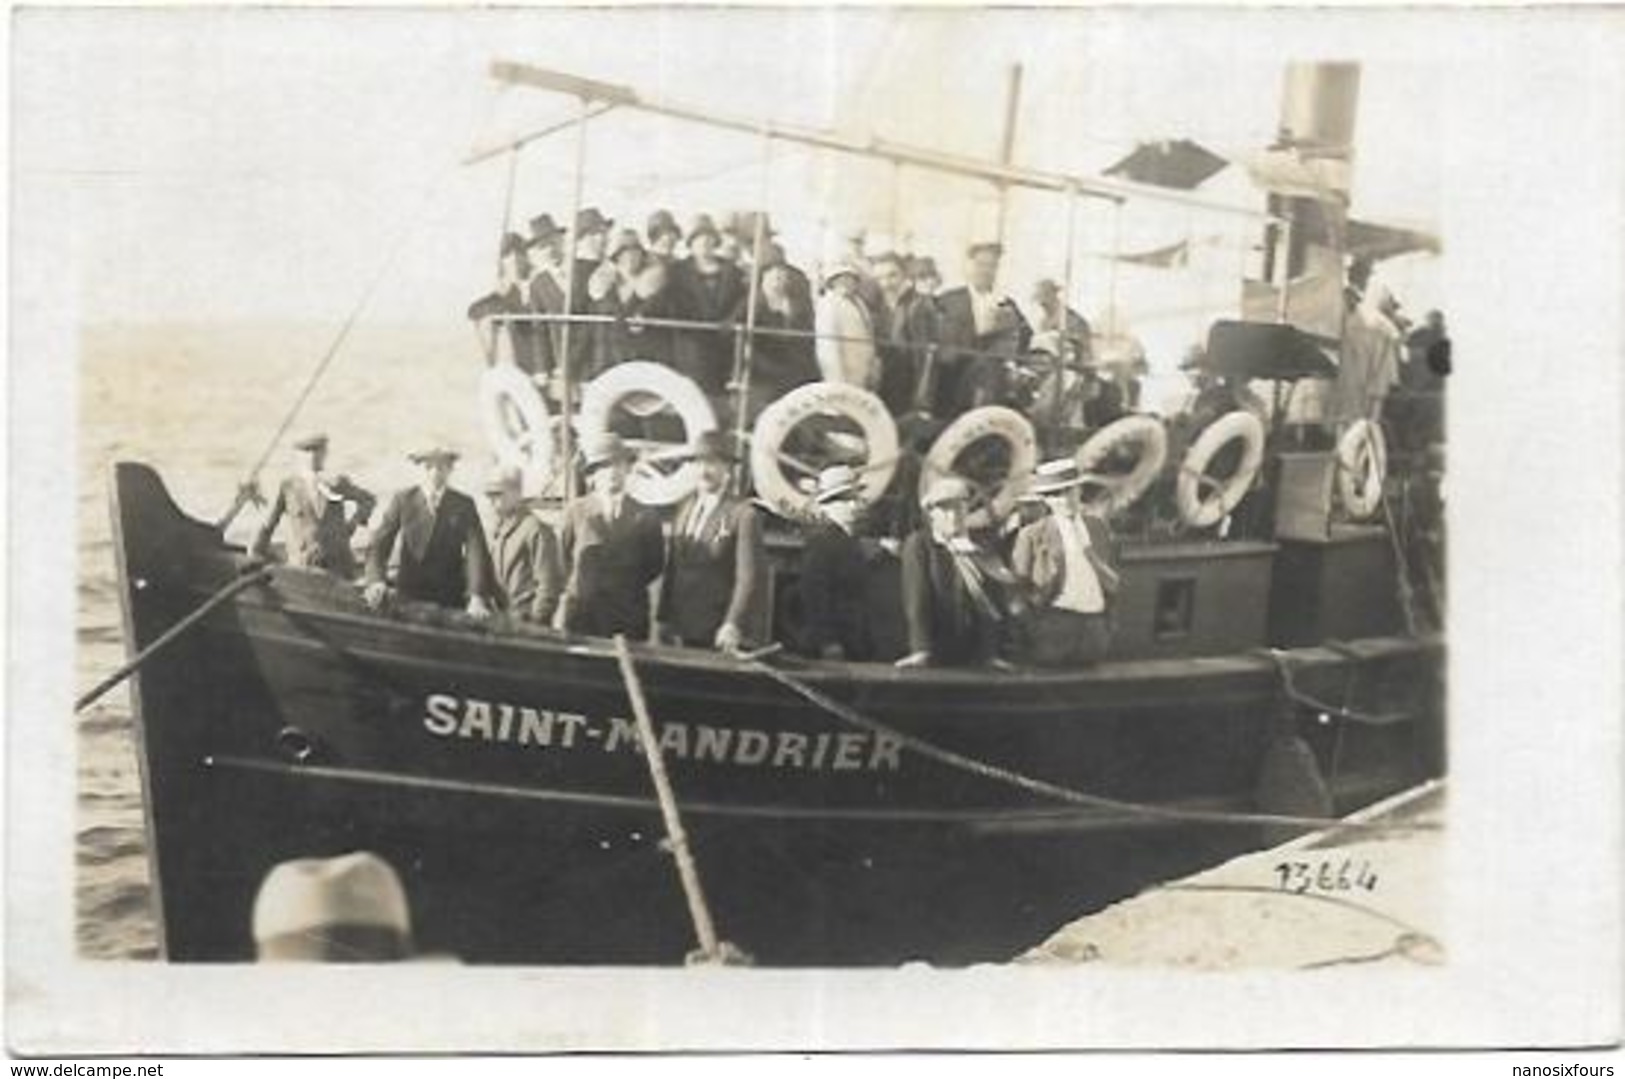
{"x": 1362, "y": 465}
{"x": 517, "y": 424}
{"x": 638, "y": 381}
{"x": 1201, "y": 510}
{"x": 836, "y": 400}
{"x": 1144, "y": 432}
{"x": 989, "y": 421}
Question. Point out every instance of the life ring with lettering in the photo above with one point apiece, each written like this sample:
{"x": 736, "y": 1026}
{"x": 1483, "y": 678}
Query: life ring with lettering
{"x": 1205, "y": 500}
{"x": 517, "y": 423}
{"x": 1362, "y": 466}
{"x": 1150, "y": 441}
{"x": 990, "y": 421}
{"x": 644, "y": 388}
{"x": 828, "y": 403}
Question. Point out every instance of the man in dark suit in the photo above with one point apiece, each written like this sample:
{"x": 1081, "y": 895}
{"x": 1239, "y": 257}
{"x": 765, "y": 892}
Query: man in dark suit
{"x": 524, "y": 553}
{"x": 545, "y": 295}
{"x": 612, "y": 548}
{"x": 705, "y": 288}
{"x": 834, "y": 574}
{"x": 443, "y": 558}
{"x": 951, "y": 587}
{"x": 1069, "y": 561}
{"x": 981, "y": 330}
{"x": 905, "y": 327}
{"x": 714, "y": 589}
{"x": 315, "y": 507}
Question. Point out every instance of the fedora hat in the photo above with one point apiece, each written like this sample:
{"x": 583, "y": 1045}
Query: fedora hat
{"x": 923, "y": 266}
{"x": 605, "y": 449}
{"x": 713, "y": 446}
{"x": 837, "y": 481}
{"x": 661, "y": 222}
{"x": 502, "y": 479}
{"x": 1053, "y": 477}
{"x": 316, "y": 440}
{"x": 946, "y": 490}
{"x": 352, "y": 907}
{"x": 591, "y": 220}
{"x": 544, "y": 228}
{"x": 513, "y": 243}
{"x": 432, "y": 453}
{"x": 984, "y": 245}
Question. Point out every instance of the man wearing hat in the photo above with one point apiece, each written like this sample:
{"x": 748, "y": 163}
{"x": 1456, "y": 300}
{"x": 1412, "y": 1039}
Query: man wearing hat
{"x": 545, "y": 290}
{"x": 611, "y": 547}
{"x": 442, "y": 553}
{"x": 951, "y": 587}
{"x": 846, "y": 330}
{"x": 349, "y": 909}
{"x": 714, "y": 590}
{"x": 982, "y": 330}
{"x": 1069, "y": 561}
{"x": 834, "y": 572}
{"x": 905, "y": 329}
{"x": 706, "y": 289}
{"x": 315, "y": 505}
{"x": 1068, "y": 328}
{"x": 524, "y": 553}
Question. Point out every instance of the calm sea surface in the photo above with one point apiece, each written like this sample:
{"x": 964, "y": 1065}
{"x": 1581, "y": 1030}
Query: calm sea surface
{"x": 200, "y": 403}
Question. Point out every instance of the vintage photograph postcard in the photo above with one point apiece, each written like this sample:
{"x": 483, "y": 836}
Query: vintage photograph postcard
{"x": 814, "y": 528}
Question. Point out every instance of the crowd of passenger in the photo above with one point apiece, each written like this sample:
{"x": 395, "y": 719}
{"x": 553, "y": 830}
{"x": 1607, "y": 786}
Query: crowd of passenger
{"x": 1037, "y": 593}
{"x": 880, "y": 320}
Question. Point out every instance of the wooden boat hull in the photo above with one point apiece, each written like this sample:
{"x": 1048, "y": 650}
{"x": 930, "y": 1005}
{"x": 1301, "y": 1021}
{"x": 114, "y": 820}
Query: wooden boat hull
{"x": 497, "y": 770}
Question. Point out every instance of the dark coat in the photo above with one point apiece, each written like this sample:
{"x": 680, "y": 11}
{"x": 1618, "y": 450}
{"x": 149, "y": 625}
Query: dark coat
{"x": 945, "y": 617}
{"x": 970, "y": 367}
{"x": 547, "y": 298}
{"x": 718, "y": 577}
{"x": 525, "y": 558}
{"x": 319, "y": 530}
{"x": 706, "y": 356}
{"x": 443, "y": 558}
{"x": 778, "y": 364}
{"x": 609, "y": 566}
{"x": 904, "y": 333}
{"x": 834, "y": 592}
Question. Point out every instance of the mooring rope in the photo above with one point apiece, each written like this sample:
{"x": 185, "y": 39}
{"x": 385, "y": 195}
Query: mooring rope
{"x": 1066, "y": 794}
{"x": 169, "y": 636}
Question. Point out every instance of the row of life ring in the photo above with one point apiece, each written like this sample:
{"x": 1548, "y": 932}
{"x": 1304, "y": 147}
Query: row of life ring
{"x": 522, "y": 433}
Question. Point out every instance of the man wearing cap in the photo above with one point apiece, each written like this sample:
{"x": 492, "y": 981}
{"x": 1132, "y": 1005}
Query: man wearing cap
{"x": 1069, "y": 561}
{"x": 834, "y": 573}
{"x": 349, "y": 909}
{"x": 612, "y": 548}
{"x": 315, "y": 506}
{"x": 443, "y": 558}
{"x": 951, "y": 587}
{"x": 846, "y": 331}
{"x": 524, "y": 553}
{"x": 982, "y": 330}
{"x": 706, "y": 289}
{"x": 714, "y": 587}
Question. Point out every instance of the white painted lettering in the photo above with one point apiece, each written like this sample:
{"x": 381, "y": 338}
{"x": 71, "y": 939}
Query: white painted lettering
{"x": 751, "y": 748}
{"x": 792, "y": 747}
{"x": 440, "y": 714}
{"x": 674, "y": 740}
{"x": 820, "y": 748}
{"x": 621, "y": 730}
{"x": 476, "y": 717}
{"x": 504, "y": 721}
{"x": 711, "y": 743}
{"x": 535, "y": 727}
{"x": 887, "y": 751}
{"x": 572, "y": 723}
{"x": 849, "y": 754}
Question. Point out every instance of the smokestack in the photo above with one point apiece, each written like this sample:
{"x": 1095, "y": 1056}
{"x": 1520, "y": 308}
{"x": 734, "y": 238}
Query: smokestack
{"x": 1319, "y": 104}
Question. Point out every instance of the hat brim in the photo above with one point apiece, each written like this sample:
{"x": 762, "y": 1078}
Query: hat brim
{"x": 433, "y": 455}
{"x": 843, "y": 491}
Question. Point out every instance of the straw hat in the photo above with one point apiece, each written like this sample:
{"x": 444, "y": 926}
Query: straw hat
{"x": 948, "y": 489}
{"x": 838, "y": 481}
{"x": 352, "y": 907}
{"x": 312, "y": 442}
{"x": 1053, "y": 477}
{"x": 433, "y": 453}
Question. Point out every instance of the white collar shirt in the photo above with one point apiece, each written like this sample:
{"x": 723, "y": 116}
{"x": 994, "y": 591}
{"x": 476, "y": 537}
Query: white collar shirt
{"x": 1080, "y": 584}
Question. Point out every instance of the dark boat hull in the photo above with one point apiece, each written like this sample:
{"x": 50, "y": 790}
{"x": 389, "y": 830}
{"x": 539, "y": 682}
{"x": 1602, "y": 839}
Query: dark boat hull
{"x": 498, "y": 772}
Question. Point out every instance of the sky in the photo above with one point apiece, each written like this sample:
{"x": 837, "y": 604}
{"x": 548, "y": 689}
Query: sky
{"x": 249, "y": 164}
